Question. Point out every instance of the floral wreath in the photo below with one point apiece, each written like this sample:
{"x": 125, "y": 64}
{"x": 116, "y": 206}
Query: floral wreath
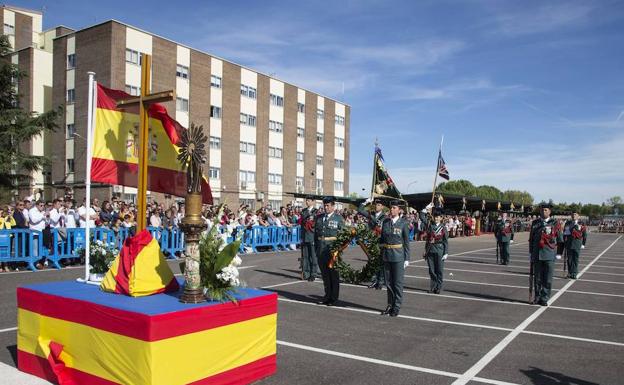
{"x": 368, "y": 240}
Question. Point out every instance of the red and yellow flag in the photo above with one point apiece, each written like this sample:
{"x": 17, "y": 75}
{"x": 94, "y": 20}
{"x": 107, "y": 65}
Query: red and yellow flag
{"x": 116, "y": 152}
{"x": 140, "y": 269}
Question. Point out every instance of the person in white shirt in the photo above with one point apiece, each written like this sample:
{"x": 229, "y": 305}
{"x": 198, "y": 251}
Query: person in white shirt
{"x": 57, "y": 218}
{"x": 70, "y": 214}
{"x": 82, "y": 213}
{"x": 36, "y": 217}
{"x": 27, "y": 207}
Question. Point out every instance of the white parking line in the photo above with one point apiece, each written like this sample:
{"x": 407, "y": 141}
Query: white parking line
{"x": 593, "y": 293}
{"x": 593, "y": 280}
{"x": 449, "y": 280}
{"x": 7, "y": 330}
{"x": 496, "y": 350}
{"x": 282, "y": 284}
{"x": 574, "y": 338}
{"x": 479, "y": 271}
{"x": 601, "y": 273}
{"x": 586, "y": 310}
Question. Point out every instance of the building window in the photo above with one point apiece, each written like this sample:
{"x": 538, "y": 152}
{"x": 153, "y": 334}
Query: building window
{"x": 300, "y": 107}
{"x": 215, "y": 81}
{"x": 299, "y": 156}
{"x": 275, "y": 179}
{"x": 132, "y": 90}
{"x": 339, "y": 163}
{"x": 247, "y": 176}
{"x": 215, "y": 143}
{"x": 9, "y": 29}
{"x": 320, "y": 136}
{"x": 247, "y": 91}
{"x": 133, "y": 56}
{"x": 248, "y": 120}
{"x": 299, "y": 181}
{"x": 338, "y": 186}
{"x": 300, "y": 132}
{"x": 214, "y": 172}
{"x": 277, "y": 100}
{"x": 340, "y": 120}
{"x": 70, "y": 165}
{"x": 215, "y": 112}
{"x": 71, "y": 130}
{"x": 319, "y": 186}
{"x": 275, "y": 152}
{"x": 182, "y": 104}
{"x": 182, "y": 71}
{"x": 339, "y": 142}
{"x": 247, "y": 148}
{"x": 71, "y": 61}
{"x": 320, "y": 113}
{"x": 319, "y": 160}
{"x": 71, "y": 95}
{"x": 276, "y": 126}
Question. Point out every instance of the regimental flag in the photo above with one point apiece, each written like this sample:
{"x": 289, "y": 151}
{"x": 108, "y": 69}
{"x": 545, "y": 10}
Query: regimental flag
{"x": 383, "y": 185}
{"x": 116, "y": 151}
{"x": 140, "y": 269}
{"x": 442, "y": 170}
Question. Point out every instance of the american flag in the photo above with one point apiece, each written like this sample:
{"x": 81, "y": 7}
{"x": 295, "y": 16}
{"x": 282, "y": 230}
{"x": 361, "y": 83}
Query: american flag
{"x": 442, "y": 170}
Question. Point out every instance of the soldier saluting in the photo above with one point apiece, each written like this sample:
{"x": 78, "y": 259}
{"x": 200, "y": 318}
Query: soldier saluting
{"x": 575, "y": 235}
{"x": 394, "y": 241}
{"x": 504, "y": 235}
{"x": 374, "y": 224}
{"x": 326, "y": 230}
{"x": 436, "y": 251}
{"x": 544, "y": 249}
{"x": 309, "y": 263}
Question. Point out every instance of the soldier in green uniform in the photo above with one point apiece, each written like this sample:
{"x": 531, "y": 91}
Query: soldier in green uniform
{"x": 504, "y": 235}
{"x": 395, "y": 248}
{"x": 436, "y": 251}
{"x": 326, "y": 230}
{"x": 374, "y": 224}
{"x": 309, "y": 263}
{"x": 575, "y": 235}
{"x": 544, "y": 249}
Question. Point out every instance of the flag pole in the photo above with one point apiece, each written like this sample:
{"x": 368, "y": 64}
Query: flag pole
{"x": 435, "y": 178}
{"x": 372, "y": 192}
{"x": 90, "y": 123}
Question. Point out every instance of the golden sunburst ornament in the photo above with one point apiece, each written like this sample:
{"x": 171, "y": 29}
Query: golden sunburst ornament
{"x": 193, "y": 155}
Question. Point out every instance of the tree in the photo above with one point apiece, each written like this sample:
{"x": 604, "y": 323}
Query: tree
{"x": 17, "y": 126}
{"x": 489, "y": 192}
{"x": 518, "y": 197}
{"x": 460, "y": 187}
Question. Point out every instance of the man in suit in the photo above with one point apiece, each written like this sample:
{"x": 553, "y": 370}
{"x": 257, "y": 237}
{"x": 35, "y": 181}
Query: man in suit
{"x": 436, "y": 251}
{"x": 374, "y": 224}
{"x": 575, "y": 235}
{"x": 394, "y": 242}
{"x": 309, "y": 263}
{"x": 326, "y": 231}
{"x": 545, "y": 246}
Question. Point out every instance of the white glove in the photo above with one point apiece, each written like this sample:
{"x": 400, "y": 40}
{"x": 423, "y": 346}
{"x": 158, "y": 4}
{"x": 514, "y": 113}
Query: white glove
{"x": 368, "y": 200}
{"x": 558, "y": 256}
{"x": 582, "y": 246}
{"x": 444, "y": 256}
{"x": 405, "y": 264}
{"x": 511, "y": 241}
{"x": 429, "y": 206}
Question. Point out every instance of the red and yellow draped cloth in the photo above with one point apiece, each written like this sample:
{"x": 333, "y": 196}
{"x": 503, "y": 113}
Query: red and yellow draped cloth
{"x": 72, "y": 333}
{"x": 116, "y": 152}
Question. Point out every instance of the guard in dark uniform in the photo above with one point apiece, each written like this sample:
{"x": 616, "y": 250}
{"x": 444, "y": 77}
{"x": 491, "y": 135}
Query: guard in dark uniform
{"x": 544, "y": 247}
{"x": 395, "y": 248}
{"x": 436, "y": 251}
{"x": 575, "y": 236}
{"x": 326, "y": 230}
{"x": 505, "y": 236}
{"x": 309, "y": 263}
{"x": 374, "y": 224}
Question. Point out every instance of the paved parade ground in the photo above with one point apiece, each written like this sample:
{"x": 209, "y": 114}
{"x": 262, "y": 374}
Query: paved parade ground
{"x": 480, "y": 329}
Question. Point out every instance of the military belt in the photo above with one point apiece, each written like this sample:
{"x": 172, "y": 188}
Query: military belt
{"x": 328, "y": 238}
{"x": 397, "y": 246}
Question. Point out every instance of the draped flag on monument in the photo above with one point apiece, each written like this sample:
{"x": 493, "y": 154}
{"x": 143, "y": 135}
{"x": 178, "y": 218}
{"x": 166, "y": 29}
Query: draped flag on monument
{"x": 383, "y": 185}
{"x": 442, "y": 170}
{"x": 116, "y": 149}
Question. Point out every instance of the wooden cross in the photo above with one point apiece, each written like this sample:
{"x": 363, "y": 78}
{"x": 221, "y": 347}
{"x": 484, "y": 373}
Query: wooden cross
{"x": 144, "y": 101}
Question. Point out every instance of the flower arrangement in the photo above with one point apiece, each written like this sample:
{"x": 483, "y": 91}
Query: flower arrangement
{"x": 101, "y": 256}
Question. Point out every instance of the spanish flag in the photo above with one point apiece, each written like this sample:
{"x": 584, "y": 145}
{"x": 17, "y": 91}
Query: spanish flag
{"x": 140, "y": 269}
{"x": 116, "y": 151}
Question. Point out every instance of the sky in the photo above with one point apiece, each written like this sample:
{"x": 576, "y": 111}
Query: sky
{"x": 529, "y": 95}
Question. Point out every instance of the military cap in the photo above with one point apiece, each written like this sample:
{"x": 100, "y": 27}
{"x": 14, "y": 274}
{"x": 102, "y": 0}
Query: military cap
{"x": 437, "y": 212}
{"x": 546, "y": 205}
{"x": 396, "y": 202}
{"x": 329, "y": 200}
{"x": 378, "y": 200}
{"x": 310, "y": 197}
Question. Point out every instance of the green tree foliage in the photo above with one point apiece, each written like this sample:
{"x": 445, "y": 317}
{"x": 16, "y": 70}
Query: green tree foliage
{"x": 17, "y": 126}
{"x": 466, "y": 188}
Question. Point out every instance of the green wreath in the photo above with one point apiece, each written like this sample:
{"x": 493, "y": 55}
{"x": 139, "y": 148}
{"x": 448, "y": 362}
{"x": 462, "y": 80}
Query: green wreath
{"x": 368, "y": 241}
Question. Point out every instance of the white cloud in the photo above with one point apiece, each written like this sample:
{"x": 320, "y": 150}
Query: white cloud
{"x": 547, "y": 17}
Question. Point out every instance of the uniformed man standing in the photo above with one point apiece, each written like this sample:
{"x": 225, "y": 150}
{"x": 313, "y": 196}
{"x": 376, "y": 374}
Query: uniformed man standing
{"x": 309, "y": 263}
{"x": 575, "y": 235}
{"x": 505, "y": 236}
{"x": 374, "y": 224}
{"x": 395, "y": 248}
{"x": 544, "y": 240}
{"x": 326, "y": 230}
{"x": 436, "y": 251}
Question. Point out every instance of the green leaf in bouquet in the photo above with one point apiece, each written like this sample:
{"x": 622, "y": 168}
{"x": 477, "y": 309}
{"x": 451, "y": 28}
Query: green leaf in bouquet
{"x": 226, "y": 255}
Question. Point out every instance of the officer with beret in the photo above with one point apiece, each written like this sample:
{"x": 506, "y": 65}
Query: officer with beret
{"x": 504, "y": 235}
{"x": 395, "y": 247}
{"x": 309, "y": 263}
{"x": 326, "y": 231}
{"x": 436, "y": 251}
{"x": 374, "y": 224}
{"x": 545, "y": 246}
{"x": 575, "y": 236}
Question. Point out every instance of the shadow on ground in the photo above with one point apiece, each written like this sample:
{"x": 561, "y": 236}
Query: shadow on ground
{"x": 544, "y": 377}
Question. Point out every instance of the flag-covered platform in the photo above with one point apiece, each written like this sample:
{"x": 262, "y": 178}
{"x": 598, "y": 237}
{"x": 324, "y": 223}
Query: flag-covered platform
{"x": 74, "y": 333}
